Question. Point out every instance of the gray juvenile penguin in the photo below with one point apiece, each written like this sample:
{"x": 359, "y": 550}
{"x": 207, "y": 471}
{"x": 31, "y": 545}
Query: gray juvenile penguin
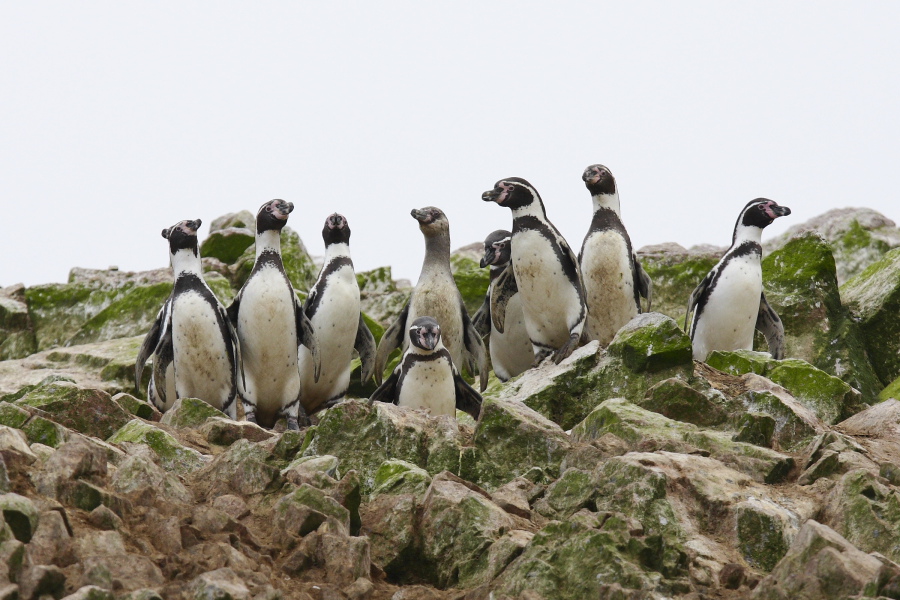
{"x": 194, "y": 346}
{"x": 437, "y": 296}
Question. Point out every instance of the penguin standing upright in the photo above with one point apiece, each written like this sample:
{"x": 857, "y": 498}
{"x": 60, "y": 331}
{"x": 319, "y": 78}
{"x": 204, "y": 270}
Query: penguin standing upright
{"x": 194, "y": 347}
{"x": 729, "y": 303}
{"x": 509, "y": 344}
{"x": 270, "y": 325}
{"x": 546, "y": 271}
{"x": 426, "y": 377}
{"x": 437, "y": 296}
{"x": 614, "y": 280}
{"x": 332, "y": 307}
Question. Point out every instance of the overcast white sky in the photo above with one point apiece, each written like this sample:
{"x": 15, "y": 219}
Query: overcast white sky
{"x": 118, "y": 119}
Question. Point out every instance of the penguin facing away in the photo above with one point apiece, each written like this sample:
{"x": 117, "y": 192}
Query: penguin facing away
{"x": 614, "y": 281}
{"x": 509, "y": 345}
{"x": 194, "y": 346}
{"x": 729, "y": 303}
{"x": 333, "y": 308}
{"x": 546, "y": 273}
{"x": 437, "y": 296}
{"x": 271, "y": 325}
{"x": 426, "y": 377}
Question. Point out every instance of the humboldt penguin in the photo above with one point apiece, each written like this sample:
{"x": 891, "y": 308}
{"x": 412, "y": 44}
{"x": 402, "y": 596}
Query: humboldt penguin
{"x": 332, "y": 307}
{"x": 509, "y": 345}
{"x": 614, "y": 280}
{"x": 271, "y": 325}
{"x": 194, "y": 346}
{"x": 546, "y": 271}
{"x": 437, "y": 296}
{"x": 426, "y": 377}
{"x": 729, "y": 303}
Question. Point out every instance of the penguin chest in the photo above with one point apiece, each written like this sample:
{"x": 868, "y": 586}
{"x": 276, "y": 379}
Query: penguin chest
{"x": 428, "y": 385}
{"x": 202, "y": 359}
{"x": 728, "y": 319}
{"x": 438, "y": 297}
{"x": 550, "y": 300}
{"x": 511, "y": 352}
{"x": 607, "y": 272}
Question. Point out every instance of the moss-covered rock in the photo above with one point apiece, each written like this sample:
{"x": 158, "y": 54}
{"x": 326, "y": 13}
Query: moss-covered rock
{"x": 189, "y": 412}
{"x": 755, "y": 428}
{"x": 20, "y": 514}
{"x": 740, "y": 362}
{"x": 12, "y": 415}
{"x": 574, "y": 490}
{"x": 828, "y": 397}
{"x": 511, "y": 439}
{"x": 793, "y": 424}
{"x": 136, "y": 407}
{"x": 801, "y": 285}
{"x": 866, "y": 512}
{"x": 675, "y": 399}
{"x": 764, "y": 533}
{"x": 651, "y": 342}
{"x": 400, "y": 477}
{"x": 304, "y": 509}
{"x": 675, "y": 272}
{"x": 227, "y": 244}
{"x": 17, "y": 338}
{"x": 44, "y": 431}
{"x": 139, "y": 475}
{"x": 381, "y": 298}
{"x": 87, "y": 411}
{"x": 891, "y": 391}
{"x": 170, "y": 453}
{"x": 242, "y": 469}
{"x": 471, "y": 279}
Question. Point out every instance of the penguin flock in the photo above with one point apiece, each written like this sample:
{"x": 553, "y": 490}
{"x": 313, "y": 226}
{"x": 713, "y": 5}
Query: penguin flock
{"x": 282, "y": 358}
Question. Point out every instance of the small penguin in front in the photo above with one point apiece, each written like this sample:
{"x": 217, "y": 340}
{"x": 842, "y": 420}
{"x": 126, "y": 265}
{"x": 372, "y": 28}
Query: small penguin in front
{"x": 333, "y": 308}
{"x": 194, "y": 346}
{"x": 436, "y": 295}
{"x": 546, "y": 272}
{"x": 271, "y": 325}
{"x": 614, "y": 281}
{"x": 509, "y": 345}
{"x": 426, "y": 377}
{"x": 729, "y": 303}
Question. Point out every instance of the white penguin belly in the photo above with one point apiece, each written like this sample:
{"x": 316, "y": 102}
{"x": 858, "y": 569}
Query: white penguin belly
{"x": 549, "y": 300}
{"x": 511, "y": 352}
{"x": 428, "y": 385}
{"x": 438, "y": 298}
{"x": 606, "y": 268}
{"x": 202, "y": 361}
{"x": 729, "y": 317}
{"x": 336, "y": 322}
{"x": 267, "y": 329}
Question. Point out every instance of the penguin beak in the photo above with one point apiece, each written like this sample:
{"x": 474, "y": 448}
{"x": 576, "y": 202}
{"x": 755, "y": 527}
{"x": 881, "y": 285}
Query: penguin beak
{"x": 430, "y": 339}
{"x": 194, "y": 225}
{"x": 335, "y": 221}
{"x": 590, "y": 176}
{"x": 780, "y": 211}
{"x": 490, "y": 255}
{"x": 422, "y": 216}
{"x": 490, "y": 195}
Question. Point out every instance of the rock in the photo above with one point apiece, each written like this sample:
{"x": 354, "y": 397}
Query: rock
{"x": 390, "y": 523}
{"x": 345, "y": 559}
{"x": 170, "y": 453}
{"x": 43, "y": 431}
{"x": 221, "y": 584}
{"x": 802, "y": 287}
{"x": 42, "y": 580}
{"x": 361, "y": 589}
{"x": 227, "y": 244}
{"x": 470, "y": 278}
{"x": 565, "y": 496}
{"x": 832, "y": 454}
{"x": 819, "y": 564}
{"x": 241, "y": 469}
{"x": 17, "y": 338}
{"x": 12, "y": 415}
{"x": 756, "y": 428}
{"x": 675, "y": 272}
{"x": 732, "y": 576}
{"x": 303, "y": 510}
{"x": 20, "y": 515}
{"x": 382, "y": 299}
{"x": 103, "y": 518}
{"x": 866, "y": 512}
{"x": 141, "y": 479}
{"x": 764, "y": 532}
{"x": 88, "y": 411}
{"x": 233, "y": 506}
{"x": 91, "y": 592}
{"x": 223, "y": 431}
{"x": 103, "y": 560}
{"x": 14, "y": 450}
{"x": 52, "y": 540}
{"x": 400, "y": 477}
{"x": 828, "y": 397}
{"x": 675, "y": 399}
{"x": 795, "y": 424}
{"x": 651, "y": 342}
{"x": 510, "y": 439}
{"x": 892, "y": 391}
{"x": 311, "y": 469}
{"x": 243, "y": 219}
{"x": 189, "y": 412}
{"x": 12, "y": 561}
{"x": 137, "y": 407}
{"x": 740, "y": 362}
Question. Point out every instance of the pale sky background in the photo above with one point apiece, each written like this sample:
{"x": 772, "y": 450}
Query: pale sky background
{"x": 118, "y": 119}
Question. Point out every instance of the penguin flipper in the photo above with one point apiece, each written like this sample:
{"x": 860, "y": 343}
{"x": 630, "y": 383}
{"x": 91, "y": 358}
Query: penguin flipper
{"x": 164, "y": 357}
{"x": 475, "y": 346}
{"x": 695, "y": 297}
{"x": 643, "y": 284}
{"x": 392, "y": 338}
{"x": 306, "y": 336}
{"x": 387, "y": 391}
{"x": 467, "y": 399}
{"x": 769, "y": 324}
{"x": 481, "y": 320}
{"x": 151, "y": 341}
{"x": 365, "y": 346}
{"x": 502, "y": 290}
{"x": 233, "y": 309}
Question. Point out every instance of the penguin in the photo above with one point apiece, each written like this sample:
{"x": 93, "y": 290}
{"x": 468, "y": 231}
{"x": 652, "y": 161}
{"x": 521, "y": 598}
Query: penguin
{"x": 546, "y": 273}
{"x": 436, "y": 295}
{"x": 271, "y": 325}
{"x": 426, "y": 377}
{"x": 332, "y": 307}
{"x": 729, "y": 303}
{"x": 509, "y": 346}
{"x": 614, "y": 281}
{"x": 194, "y": 346}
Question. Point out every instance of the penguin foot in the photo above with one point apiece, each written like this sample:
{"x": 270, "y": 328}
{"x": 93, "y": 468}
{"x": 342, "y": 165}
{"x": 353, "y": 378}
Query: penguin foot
{"x": 567, "y": 349}
{"x": 292, "y": 424}
{"x": 541, "y": 357}
{"x": 251, "y": 417}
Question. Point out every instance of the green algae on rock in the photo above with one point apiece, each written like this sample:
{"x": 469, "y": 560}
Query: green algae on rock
{"x": 227, "y": 244}
{"x": 651, "y": 342}
{"x": 675, "y": 272}
{"x": 17, "y": 339}
{"x": 866, "y": 511}
{"x": 400, "y": 477}
{"x": 189, "y": 412}
{"x": 675, "y": 399}
{"x": 298, "y": 265}
{"x": 762, "y": 533}
{"x": 170, "y": 452}
{"x": 87, "y": 411}
{"x": 471, "y": 280}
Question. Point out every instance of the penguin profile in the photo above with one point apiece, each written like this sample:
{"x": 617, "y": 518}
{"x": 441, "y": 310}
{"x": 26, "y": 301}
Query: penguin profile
{"x": 437, "y": 296}
{"x": 614, "y": 280}
{"x": 333, "y": 308}
{"x": 509, "y": 345}
{"x": 729, "y": 303}
{"x": 194, "y": 346}
{"x": 546, "y": 272}
{"x": 426, "y": 377}
{"x": 271, "y": 325}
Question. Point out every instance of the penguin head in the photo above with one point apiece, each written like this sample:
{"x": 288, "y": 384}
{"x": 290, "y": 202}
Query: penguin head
{"x": 512, "y": 192}
{"x": 273, "y": 215}
{"x": 599, "y": 180}
{"x": 432, "y": 221}
{"x": 497, "y": 249}
{"x": 425, "y": 333}
{"x": 336, "y": 230}
{"x": 183, "y": 236}
{"x": 759, "y": 213}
